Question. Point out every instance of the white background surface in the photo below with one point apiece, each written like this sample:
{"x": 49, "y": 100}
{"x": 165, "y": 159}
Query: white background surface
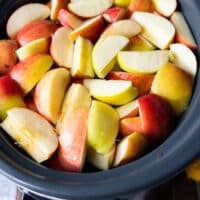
{"x": 7, "y": 189}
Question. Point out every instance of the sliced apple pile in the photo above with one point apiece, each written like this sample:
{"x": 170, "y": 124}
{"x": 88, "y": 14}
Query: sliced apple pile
{"x": 97, "y": 82}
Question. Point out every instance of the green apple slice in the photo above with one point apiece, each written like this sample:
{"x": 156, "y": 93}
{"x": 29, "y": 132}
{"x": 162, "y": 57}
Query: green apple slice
{"x": 143, "y": 61}
{"x": 114, "y": 92}
{"x": 103, "y": 125}
{"x": 105, "y": 52}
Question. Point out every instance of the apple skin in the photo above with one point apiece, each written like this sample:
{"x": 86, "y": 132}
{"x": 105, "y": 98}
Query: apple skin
{"x": 137, "y": 80}
{"x": 140, "y": 5}
{"x": 8, "y": 57}
{"x": 10, "y": 95}
{"x": 29, "y": 71}
{"x": 36, "y": 30}
{"x": 56, "y": 6}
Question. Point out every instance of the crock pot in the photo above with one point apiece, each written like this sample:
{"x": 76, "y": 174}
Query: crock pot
{"x": 156, "y": 167}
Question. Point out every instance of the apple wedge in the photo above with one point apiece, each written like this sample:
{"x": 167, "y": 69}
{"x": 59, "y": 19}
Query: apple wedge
{"x": 183, "y": 33}
{"x": 32, "y": 48}
{"x": 140, "y": 5}
{"x": 145, "y": 62}
{"x": 53, "y": 84}
{"x": 129, "y": 148}
{"x": 24, "y": 15}
{"x": 157, "y": 29}
{"x": 105, "y": 52}
{"x": 184, "y": 58}
{"x": 68, "y": 19}
{"x": 62, "y": 48}
{"x": 101, "y": 161}
{"x": 114, "y": 92}
{"x": 103, "y": 123}
{"x": 10, "y": 95}
{"x": 57, "y": 5}
{"x": 114, "y": 14}
{"x": 175, "y": 85}
{"x": 90, "y": 29}
{"x": 36, "y": 30}
{"x": 89, "y": 8}
{"x": 82, "y": 59}
{"x": 8, "y": 57}
{"x": 137, "y": 80}
{"x": 28, "y": 72}
{"x": 32, "y": 132}
{"x": 128, "y": 110}
{"x": 124, "y": 27}
{"x": 165, "y": 8}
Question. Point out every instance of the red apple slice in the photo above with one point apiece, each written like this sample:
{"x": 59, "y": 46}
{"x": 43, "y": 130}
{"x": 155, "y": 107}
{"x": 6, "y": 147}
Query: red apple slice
{"x": 36, "y": 30}
{"x": 89, "y": 8}
{"x": 68, "y": 19}
{"x": 183, "y": 33}
{"x": 140, "y": 5}
{"x": 62, "y": 47}
{"x": 56, "y": 5}
{"x": 25, "y": 15}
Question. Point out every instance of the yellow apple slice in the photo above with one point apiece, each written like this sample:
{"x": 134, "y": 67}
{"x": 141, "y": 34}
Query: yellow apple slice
{"x": 82, "y": 59}
{"x": 24, "y": 15}
{"x": 183, "y": 33}
{"x": 165, "y": 8}
{"x": 105, "y": 52}
{"x": 125, "y": 27}
{"x": 89, "y": 8}
{"x": 128, "y": 110}
{"x": 114, "y": 92}
{"x": 184, "y": 58}
{"x": 49, "y": 93}
{"x": 129, "y": 148}
{"x": 157, "y": 29}
{"x": 143, "y": 61}
{"x": 62, "y": 47}
{"x": 101, "y": 161}
{"x": 122, "y": 3}
{"x": 103, "y": 125}
{"x": 57, "y": 5}
{"x": 32, "y": 48}
{"x": 33, "y": 133}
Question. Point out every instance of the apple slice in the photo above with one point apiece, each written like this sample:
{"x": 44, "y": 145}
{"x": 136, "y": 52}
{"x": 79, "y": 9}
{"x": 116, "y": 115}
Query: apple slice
{"x": 62, "y": 48}
{"x": 89, "y": 8}
{"x": 139, "y": 43}
{"x": 29, "y": 71}
{"x": 57, "y": 5}
{"x": 165, "y": 8}
{"x": 36, "y": 30}
{"x": 105, "y": 52}
{"x": 114, "y": 14}
{"x": 24, "y": 15}
{"x": 101, "y": 161}
{"x": 53, "y": 84}
{"x": 130, "y": 148}
{"x": 114, "y": 92}
{"x": 10, "y": 95}
{"x": 175, "y": 85}
{"x": 140, "y": 5}
{"x": 130, "y": 125}
{"x": 137, "y": 80}
{"x": 183, "y": 33}
{"x": 124, "y": 27}
{"x": 128, "y": 110}
{"x": 33, "y": 133}
{"x": 90, "y": 29}
{"x": 184, "y": 58}
{"x": 122, "y": 3}
{"x": 68, "y": 19}
{"x": 32, "y": 48}
{"x": 103, "y": 123}
{"x": 146, "y": 62}
{"x": 157, "y": 29}
{"x": 82, "y": 59}
{"x": 8, "y": 57}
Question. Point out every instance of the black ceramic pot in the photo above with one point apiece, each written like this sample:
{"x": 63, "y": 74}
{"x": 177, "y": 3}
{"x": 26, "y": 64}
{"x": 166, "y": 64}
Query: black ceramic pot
{"x": 158, "y": 166}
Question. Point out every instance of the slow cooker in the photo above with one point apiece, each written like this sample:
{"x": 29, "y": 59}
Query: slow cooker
{"x": 158, "y": 166}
